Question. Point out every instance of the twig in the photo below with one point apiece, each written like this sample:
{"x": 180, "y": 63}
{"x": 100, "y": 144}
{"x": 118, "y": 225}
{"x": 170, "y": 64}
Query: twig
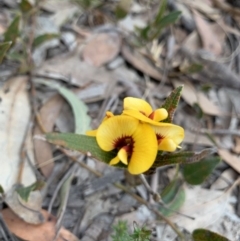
{"x": 218, "y": 131}
{"x": 156, "y": 196}
{"x": 150, "y": 207}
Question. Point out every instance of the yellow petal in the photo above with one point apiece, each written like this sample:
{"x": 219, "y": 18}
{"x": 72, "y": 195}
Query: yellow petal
{"x": 159, "y": 114}
{"x": 123, "y": 156}
{"x": 144, "y": 150}
{"x": 167, "y": 145}
{"x": 169, "y": 131}
{"x": 91, "y": 133}
{"x": 131, "y": 103}
{"x": 114, "y": 128}
{"x": 114, "y": 161}
{"x": 136, "y": 114}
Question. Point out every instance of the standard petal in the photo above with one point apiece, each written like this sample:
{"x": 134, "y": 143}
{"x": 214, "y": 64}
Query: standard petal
{"x": 136, "y": 114}
{"x": 131, "y": 103}
{"x": 123, "y": 156}
{"x": 144, "y": 150}
{"x": 170, "y": 131}
{"x": 113, "y": 129}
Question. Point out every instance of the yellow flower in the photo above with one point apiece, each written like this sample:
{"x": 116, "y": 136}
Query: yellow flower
{"x": 94, "y": 132}
{"x": 135, "y": 142}
{"x": 169, "y": 136}
{"x": 141, "y": 110}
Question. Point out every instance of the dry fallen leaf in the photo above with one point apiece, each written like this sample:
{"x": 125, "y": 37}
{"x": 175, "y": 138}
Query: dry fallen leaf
{"x": 29, "y": 211}
{"x": 203, "y": 205}
{"x": 43, "y": 151}
{"x": 230, "y": 159}
{"x": 41, "y": 232}
{"x": 70, "y": 68}
{"x": 14, "y": 120}
{"x": 139, "y": 62}
{"x": 102, "y": 48}
{"x": 192, "y": 96}
{"x": 210, "y": 40}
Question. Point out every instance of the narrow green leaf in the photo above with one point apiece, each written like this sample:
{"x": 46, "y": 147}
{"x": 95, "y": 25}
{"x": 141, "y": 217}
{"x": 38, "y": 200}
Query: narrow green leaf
{"x": 144, "y": 32}
{"x": 196, "y": 173}
{"x": 43, "y": 38}
{"x": 3, "y": 49}
{"x": 1, "y": 189}
{"x": 171, "y": 103}
{"x": 82, "y": 120}
{"x": 25, "y": 6}
{"x": 207, "y": 235}
{"x": 170, "y": 191}
{"x": 82, "y": 143}
{"x": 169, "y": 19}
{"x": 192, "y": 68}
{"x": 13, "y": 30}
{"x": 176, "y": 203}
{"x": 24, "y": 192}
{"x": 182, "y": 157}
{"x": 161, "y": 11}
{"x": 198, "y": 110}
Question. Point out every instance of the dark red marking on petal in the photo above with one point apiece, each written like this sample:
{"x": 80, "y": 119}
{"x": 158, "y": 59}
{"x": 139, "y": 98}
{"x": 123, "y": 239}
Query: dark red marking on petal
{"x": 151, "y": 116}
{"x": 159, "y": 138}
{"x": 125, "y": 142}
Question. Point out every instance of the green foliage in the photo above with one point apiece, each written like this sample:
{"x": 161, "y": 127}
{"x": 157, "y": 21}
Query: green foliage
{"x": 171, "y": 103}
{"x": 207, "y": 235}
{"x": 25, "y": 6}
{"x": 154, "y": 28}
{"x": 196, "y": 173}
{"x": 43, "y": 38}
{"x": 13, "y": 30}
{"x": 173, "y": 197}
{"x": 3, "y": 49}
{"x": 121, "y": 233}
{"x": 24, "y": 192}
{"x": 1, "y": 189}
{"x": 82, "y": 120}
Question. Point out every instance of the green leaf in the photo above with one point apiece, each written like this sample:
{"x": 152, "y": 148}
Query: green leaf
{"x": 82, "y": 143}
{"x": 169, "y": 19}
{"x": 171, "y": 103}
{"x": 120, "y": 12}
{"x": 1, "y": 189}
{"x": 182, "y": 157}
{"x": 25, "y": 6}
{"x": 198, "y": 110}
{"x": 3, "y": 49}
{"x": 43, "y": 38}
{"x": 196, "y": 173}
{"x": 13, "y": 30}
{"x": 173, "y": 197}
{"x": 82, "y": 120}
{"x": 24, "y": 192}
{"x": 207, "y": 235}
{"x": 161, "y": 11}
{"x": 192, "y": 68}
{"x": 144, "y": 32}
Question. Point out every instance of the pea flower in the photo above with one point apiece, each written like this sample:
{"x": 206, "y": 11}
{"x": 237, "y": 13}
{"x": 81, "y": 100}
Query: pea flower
{"x": 135, "y": 142}
{"x": 94, "y": 132}
{"x": 169, "y": 136}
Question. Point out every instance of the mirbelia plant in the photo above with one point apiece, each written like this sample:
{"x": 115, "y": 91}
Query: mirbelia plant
{"x": 140, "y": 140}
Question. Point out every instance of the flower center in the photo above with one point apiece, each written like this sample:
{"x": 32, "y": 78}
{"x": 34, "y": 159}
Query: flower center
{"x": 125, "y": 142}
{"x": 159, "y": 138}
